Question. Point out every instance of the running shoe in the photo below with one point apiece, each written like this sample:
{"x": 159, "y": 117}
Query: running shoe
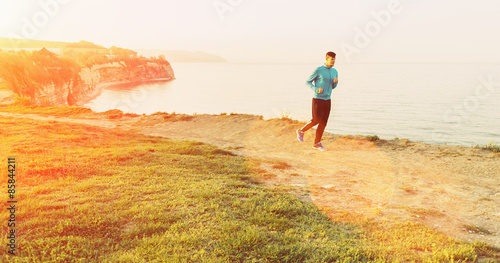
{"x": 300, "y": 135}
{"x": 319, "y": 146}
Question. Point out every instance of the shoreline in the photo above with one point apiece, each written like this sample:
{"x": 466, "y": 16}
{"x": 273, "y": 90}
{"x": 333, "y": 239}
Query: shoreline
{"x": 372, "y": 137}
{"x": 101, "y": 86}
{"x": 451, "y": 189}
{"x": 395, "y": 142}
{"x": 6, "y": 96}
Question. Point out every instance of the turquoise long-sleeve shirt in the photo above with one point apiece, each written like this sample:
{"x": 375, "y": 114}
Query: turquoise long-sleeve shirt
{"x": 322, "y": 77}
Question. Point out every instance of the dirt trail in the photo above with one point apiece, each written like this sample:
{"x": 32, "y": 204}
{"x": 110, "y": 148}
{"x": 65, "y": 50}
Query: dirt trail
{"x": 453, "y": 189}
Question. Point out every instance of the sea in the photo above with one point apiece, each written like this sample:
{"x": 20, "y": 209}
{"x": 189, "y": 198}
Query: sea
{"x": 454, "y": 104}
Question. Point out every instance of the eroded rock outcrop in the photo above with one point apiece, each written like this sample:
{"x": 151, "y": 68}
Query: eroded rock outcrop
{"x": 46, "y": 78}
{"x": 92, "y": 80}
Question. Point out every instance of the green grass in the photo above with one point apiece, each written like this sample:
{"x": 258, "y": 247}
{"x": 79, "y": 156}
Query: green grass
{"x": 173, "y": 117}
{"x": 373, "y": 138}
{"x": 24, "y": 105}
{"x": 421, "y": 244}
{"x": 490, "y": 147}
{"x": 89, "y": 194}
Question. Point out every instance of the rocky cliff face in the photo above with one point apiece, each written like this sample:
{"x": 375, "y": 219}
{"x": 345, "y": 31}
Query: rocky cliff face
{"x": 90, "y": 82}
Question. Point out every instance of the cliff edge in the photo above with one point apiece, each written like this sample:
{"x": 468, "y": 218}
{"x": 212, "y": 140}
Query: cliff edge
{"x": 79, "y": 75}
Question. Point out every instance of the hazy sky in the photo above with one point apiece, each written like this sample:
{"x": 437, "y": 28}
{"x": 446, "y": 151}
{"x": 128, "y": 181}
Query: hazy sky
{"x": 271, "y": 30}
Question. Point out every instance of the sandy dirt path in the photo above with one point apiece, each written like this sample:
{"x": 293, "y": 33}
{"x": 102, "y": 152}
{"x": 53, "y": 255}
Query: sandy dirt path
{"x": 453, "y": 189}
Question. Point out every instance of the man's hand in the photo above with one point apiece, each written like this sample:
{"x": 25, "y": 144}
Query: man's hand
{"x": 335, "y": 80}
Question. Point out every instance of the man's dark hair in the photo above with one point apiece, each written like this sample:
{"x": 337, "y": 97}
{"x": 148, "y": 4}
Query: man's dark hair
{"x": 331, "y": 54}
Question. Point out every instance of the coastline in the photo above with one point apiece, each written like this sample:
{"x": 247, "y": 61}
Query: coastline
{"x": 7, "y": 96}
{"x": 449, "y": 188}
{"x": 101, "y": 86}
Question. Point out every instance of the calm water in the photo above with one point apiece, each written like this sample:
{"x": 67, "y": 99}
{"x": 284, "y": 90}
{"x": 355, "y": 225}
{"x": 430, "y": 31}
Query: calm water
{"x": 434, "y": 103}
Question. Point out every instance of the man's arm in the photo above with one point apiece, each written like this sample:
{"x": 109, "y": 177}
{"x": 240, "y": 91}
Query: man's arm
{"x": 311, "y": 79}
{"x": 335, "y": 80}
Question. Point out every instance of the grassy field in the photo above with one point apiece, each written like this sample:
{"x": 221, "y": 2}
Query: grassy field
{"x": 88, "y": 194}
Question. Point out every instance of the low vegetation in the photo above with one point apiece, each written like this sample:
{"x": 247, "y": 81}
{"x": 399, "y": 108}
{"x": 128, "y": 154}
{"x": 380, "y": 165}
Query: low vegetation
{"x": 89, "y": 194}
{"x": 24, "y": 105}
{"x": 490, "y": 147}
{"x": 373, "y": 138}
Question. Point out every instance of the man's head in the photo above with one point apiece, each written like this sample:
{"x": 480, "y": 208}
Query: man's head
{"x": 330, "y": 59}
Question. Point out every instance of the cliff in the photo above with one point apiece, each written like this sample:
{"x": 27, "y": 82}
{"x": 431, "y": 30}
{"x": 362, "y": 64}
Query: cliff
{"x": 94, "y": 79}
{"x": 48, "y": 79}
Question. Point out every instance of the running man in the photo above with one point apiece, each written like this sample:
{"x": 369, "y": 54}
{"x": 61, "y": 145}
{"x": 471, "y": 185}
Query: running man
{"x": 323, "y": 80}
